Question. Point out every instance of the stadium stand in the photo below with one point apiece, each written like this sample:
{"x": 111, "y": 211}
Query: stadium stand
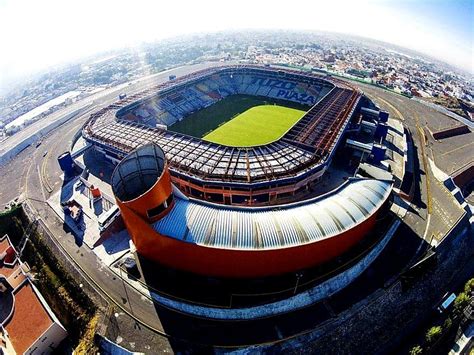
{"x": 231, "y": 175}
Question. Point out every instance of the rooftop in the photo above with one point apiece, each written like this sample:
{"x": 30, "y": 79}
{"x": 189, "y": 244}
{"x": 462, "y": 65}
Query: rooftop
{"x": 29, "y": 320}
{"x": 269, "y": 228}
{"x": 24, "y": 314}
{"x": 303, "y": 147}
{"x": 8, "y": 261}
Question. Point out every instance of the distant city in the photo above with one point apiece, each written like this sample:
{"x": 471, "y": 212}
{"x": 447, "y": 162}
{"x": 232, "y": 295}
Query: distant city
{"x": 400, "y": 70}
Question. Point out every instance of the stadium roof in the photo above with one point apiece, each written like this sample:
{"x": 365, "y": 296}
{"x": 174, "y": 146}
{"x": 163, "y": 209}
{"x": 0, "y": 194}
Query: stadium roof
{"x": 304, "y": 147}
{"x": 269, "y": 227}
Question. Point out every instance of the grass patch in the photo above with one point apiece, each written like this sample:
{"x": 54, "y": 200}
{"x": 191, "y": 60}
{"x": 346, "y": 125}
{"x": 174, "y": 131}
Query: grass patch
{"x": 257, "y": 126}
{"x": 203, "y": 122}
{"x": 86, "y": 344}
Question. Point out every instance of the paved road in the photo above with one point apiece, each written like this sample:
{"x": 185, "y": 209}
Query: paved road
{"x": 35, "y": 169}
{"x": 449, "y": 154}
{"x": 30, "y": 172}
{"x": 434, "y": 208}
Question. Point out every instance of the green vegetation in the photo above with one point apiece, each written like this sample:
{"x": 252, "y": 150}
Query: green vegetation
{"x": 86, "y": 343}
{"x": 416, "y": 350}
{"x": 463, "y": 299}
{"x": 469, "y": 287}
{"x": 203, "y": 122}
{"x": 64, "y": 295}
{"x": 10, "y": 222}
{"x": 439, "y": 335}
{"x": 448, "y": 323}
{"x": 257, "y": 126}
{"x": 461, "y": 302}
{"x": 433, "y": 334}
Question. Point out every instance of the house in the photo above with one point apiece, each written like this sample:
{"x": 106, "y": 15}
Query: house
{"x": 27, "y": 324}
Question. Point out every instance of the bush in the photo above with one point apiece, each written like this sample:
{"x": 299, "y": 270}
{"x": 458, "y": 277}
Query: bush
{"x": 469, "y": 287}
{"x": 447, "y": 323}
{"x": 460, "y": 303}
{"x": 433, "y": 334}
{"x": 61, "y": 289}
{"x": 10, "y": 223}
{"x": 416, "y": 350}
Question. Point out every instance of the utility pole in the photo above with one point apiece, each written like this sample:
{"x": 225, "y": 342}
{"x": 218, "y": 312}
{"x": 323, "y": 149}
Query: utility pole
{"x": 299, "y": 275}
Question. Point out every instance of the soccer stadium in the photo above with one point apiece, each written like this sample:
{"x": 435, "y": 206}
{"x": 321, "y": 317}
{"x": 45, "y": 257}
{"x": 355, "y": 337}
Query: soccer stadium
{"x": 245, "y": 171}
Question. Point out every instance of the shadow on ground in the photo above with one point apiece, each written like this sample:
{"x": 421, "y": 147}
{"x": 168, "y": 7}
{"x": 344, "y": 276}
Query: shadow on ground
{"x": 189, "y": 332}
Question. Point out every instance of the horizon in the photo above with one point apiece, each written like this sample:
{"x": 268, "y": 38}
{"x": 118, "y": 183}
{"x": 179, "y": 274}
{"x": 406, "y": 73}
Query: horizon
{"x": 440, "y": 31}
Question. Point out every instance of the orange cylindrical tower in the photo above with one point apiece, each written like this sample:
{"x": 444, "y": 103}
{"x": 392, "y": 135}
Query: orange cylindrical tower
{"x": 141, "y": 182}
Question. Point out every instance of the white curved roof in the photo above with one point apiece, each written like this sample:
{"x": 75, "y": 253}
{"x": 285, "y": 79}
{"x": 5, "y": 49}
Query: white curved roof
{"x": 275, "y": 227}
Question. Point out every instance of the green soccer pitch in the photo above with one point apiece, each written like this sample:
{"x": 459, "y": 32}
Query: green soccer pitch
{"x": 258, "y": 125}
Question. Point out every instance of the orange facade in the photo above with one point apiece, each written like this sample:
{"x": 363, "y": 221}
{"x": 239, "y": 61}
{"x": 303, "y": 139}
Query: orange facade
{"x": 208, "y": 260}
{"x": 236, "y": 263}
{"x": 156, "y": 196}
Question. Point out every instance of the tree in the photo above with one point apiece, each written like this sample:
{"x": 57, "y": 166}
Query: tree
{"x": 447, "y": 323}
{"x": 416, "y": 350}
{"x": 469, "y": 287}
{"x": 433, "y": 334}
{"x": 460, "y": 303}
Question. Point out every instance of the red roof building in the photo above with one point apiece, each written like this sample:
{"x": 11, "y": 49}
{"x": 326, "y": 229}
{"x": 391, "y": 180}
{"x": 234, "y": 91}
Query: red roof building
{"x": 27, "y": 324}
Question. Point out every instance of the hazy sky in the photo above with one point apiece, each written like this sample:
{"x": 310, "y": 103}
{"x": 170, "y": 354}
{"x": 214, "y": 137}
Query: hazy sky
{"x": 37, "y": 34}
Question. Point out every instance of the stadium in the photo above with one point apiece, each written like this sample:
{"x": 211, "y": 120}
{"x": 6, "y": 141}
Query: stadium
{"x": 245, "y": 171}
